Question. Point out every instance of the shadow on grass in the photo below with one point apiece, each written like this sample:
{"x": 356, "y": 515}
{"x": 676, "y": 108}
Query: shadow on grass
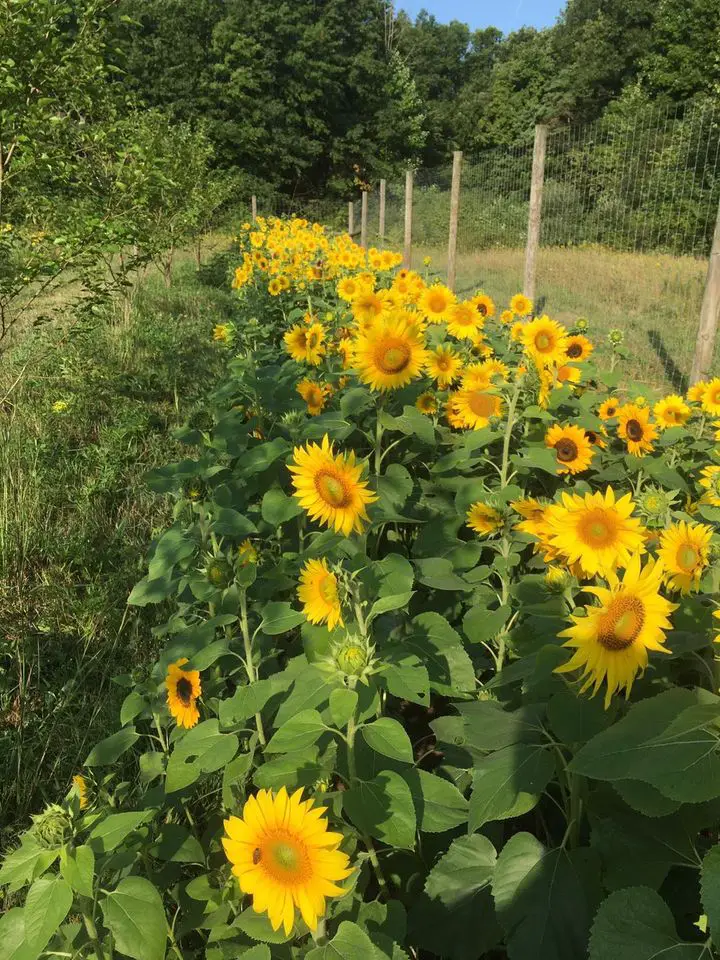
{"x": 674, "y": 374}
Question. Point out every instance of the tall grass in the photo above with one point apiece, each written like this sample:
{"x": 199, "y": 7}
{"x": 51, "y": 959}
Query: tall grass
{"x": 76, "y": 518}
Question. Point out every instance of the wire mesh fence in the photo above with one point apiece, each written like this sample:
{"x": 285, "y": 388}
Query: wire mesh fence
{"x": 628, "y": 211}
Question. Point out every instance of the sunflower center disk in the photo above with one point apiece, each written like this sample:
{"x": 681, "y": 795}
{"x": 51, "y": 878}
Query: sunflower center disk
{"x": 437, "y": 303}
{"x": 598, "y": 530}
{"x": 393, "y": 357}
{"x": 328, "y": 589}
{"x": 574, "y": 350}
{"x": 566, "y": 450}
{"x": 543, "y": 342}
{"x": 332, "y": 490}
{"x": 634, "y": 430}
{"x": 184, "y": 691}
{"x": 687, "y": 557}
{"x": 481, "y": 404}
{"x": 621, "y": 624}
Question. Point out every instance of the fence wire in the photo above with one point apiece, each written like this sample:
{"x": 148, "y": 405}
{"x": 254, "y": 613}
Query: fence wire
{"x": 628, "y": 212}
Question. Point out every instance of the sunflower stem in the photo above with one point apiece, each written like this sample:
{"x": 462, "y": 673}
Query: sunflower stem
{"x": 249, "y": 665}
{"x": 378, "y": 438}
{"x": 352, "y": 729}
{"x": 508, "y": 433}
{"x": 93, "y": 935}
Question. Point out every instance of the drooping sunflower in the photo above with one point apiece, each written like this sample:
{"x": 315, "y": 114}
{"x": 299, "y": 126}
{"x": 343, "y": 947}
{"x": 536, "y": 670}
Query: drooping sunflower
{"x": 390, "y": 355}
{"x": 463, "y": 321}
{"x": 710, "y": 479}
{"x": 572, "y": 448}
{"x": 475, "y": 408}
{"x": 305, "y": 343}
{"x": 609, "y": 408}
{"x": 711, "y": 397}
{"x": 318, "y": 592}
{"x": 329, "y": 487}
{"x": 427, "y": 403}
{"x": 568, "y": 374}
{"x": 697, "y": 391}
{"x": 521, "y": 305}
{"x": 578, "y": 348}
{"x": 314, "y": 395}
{"x": 435, "y": 302}
{"x": 611, "y": 642}
{"x": 443, "y": 365}
{"x": 545, "y": 341}
{"x": 595, "y": 530}
{"x": 671, "y": 411}
{"x": 284, "y": 856}
{"x": 183, "y": 690}
{"x": 484, "y": 519}
{"x": 684, "y": 551}
{"x": 635, "y": 428}
{"x": 484, "y": 305}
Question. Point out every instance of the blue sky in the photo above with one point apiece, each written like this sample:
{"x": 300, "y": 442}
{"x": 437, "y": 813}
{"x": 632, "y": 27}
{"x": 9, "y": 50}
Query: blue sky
{"x": 507, "y": 16}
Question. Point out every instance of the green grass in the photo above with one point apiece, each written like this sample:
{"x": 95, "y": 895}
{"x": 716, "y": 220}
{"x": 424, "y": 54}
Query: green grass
{"x": 653, "y": 298}
{"x": 76, "y": 517}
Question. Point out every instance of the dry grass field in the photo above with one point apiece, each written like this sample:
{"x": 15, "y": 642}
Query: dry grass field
{"x": 654, "y": 298}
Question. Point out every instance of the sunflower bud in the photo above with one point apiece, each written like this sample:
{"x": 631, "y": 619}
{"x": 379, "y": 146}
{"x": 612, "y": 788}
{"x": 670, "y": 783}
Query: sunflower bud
{"x": 52, "y": 827}
{"x": 581, "y": 324}
{"x": 219, "y": 572}
{"x": 201, "y": 420}
{"x": 654, "y": 504}
{"x": 194, "y": 490}
{"x": 556, "y": 580}
{"x": 616, "y": 337}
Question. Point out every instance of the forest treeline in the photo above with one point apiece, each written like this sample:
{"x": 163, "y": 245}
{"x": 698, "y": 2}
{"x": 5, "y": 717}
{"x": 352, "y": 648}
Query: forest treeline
{"x": 315, "y": 95}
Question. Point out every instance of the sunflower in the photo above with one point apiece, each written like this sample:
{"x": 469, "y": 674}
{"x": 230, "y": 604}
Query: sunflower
{"x": 453, "y": 418}
{"x": 711, "y": 397}
{"x": 443, "y": 365}
{"x": 474, "y": 408}
{"x": 635, "y": 428}
{"x": 81, "y": 789}
{"x": 314, "y": 395}
{"x": 305, "y": 343}
{"x": 568, "y": 374}
{"x": 609, "y": 408}
{"x": 389, "y": 356}
{"x": 517, "y": 331}
{"x": 684, "y": 551}
{"x": 183, "y": 690}
{"x": 595, "y": 530}
{"x": 533, "y": 514}
{"x": 506, "y": 317}
{"x": 427, "y": 403}
{"x": 711, "y": 481}
{"x": 545, "y": 341}
{"x": 484, "y": 519}
{"x": 435, "y": 302}
{"x": 367, "y": 306}
{"x": 329, "y": 487}
{"x": 462, "y": 320}
{"x": 318, "y": 592}
{"x": 697, "y": 391}
{"x": 612, "y": 640}
{"x": 478, "y": 376}
{"x": 345, "y": 348}
{"x": 671, "y": 411}
{"x": 275, "y": 287}
{"x": 348, "y": 288}
{"x": 521, "y": 305}
{"x": 483, "y": 305}
{"x": 578, "y": 348}
{"x": 284, "y": 856}
{"x": 572, "y": 448}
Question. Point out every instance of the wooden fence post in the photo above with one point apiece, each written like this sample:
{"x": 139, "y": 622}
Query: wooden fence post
{"x": 709, "y": 313}
{"x": 351, "y": 217}
{"x": 454, "y": 211}
{"x": 363, "y": 220}
{"x": 536, "y": 190}
{"x": 253, "y": 204}
{"x": 407, "y": 252}
{"x": 381, "y": 213}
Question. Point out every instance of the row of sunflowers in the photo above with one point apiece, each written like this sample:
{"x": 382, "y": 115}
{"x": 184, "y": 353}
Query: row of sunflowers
{"x": 436, "y": 677}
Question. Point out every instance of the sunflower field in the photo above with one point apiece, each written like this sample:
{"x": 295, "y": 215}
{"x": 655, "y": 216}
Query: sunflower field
{"x": 435, "y": 673}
